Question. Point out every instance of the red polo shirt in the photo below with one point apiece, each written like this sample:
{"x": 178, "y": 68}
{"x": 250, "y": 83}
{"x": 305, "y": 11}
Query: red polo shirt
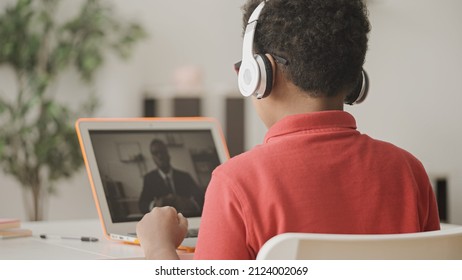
{"x": 314, "y": 173}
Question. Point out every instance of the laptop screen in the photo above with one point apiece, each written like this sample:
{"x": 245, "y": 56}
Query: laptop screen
{"x": 141, "y": 169}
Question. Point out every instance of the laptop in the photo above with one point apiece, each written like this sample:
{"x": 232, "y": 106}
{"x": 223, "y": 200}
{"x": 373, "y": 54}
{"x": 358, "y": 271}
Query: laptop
{"x": 125, "y": 157}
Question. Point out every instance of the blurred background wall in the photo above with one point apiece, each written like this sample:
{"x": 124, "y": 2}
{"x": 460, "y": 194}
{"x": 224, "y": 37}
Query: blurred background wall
{"x": 413, "y": 62}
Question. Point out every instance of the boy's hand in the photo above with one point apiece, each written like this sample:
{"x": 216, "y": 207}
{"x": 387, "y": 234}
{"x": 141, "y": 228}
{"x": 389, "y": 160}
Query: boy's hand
{"x": 161, "y": 231}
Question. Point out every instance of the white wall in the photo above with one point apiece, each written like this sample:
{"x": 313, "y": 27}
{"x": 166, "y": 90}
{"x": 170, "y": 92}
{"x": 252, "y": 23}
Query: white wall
{"x": 413, "y": 63}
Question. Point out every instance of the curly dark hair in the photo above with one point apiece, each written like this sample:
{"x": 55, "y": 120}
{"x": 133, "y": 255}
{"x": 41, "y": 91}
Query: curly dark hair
{"x": 325, "y": 41}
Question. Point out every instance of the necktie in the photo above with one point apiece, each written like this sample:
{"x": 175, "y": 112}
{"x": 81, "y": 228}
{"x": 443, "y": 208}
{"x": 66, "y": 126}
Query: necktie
{"x": 169, "y": 184}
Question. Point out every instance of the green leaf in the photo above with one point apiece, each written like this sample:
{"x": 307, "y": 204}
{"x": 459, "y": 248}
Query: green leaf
{"x": 37, "y": 132}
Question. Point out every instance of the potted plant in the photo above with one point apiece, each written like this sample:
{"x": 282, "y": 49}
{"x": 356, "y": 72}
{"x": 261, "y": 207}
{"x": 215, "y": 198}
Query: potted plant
{"x": 38, "y": 145}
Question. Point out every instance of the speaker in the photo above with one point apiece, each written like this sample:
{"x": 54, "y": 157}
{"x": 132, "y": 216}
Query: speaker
{"x": 149, "y": 107}
{"x": 441, "y": 189}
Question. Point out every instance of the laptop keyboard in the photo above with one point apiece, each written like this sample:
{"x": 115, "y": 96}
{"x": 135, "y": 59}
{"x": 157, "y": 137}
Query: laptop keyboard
{"x": 192, "y": 233}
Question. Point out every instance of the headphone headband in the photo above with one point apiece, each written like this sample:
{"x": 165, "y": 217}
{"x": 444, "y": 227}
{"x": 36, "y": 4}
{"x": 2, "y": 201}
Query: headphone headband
{"x": 247, "y": 46}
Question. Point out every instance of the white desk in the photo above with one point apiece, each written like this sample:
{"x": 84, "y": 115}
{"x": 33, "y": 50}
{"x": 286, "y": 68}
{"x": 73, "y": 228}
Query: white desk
{"x": 35, "y": 248}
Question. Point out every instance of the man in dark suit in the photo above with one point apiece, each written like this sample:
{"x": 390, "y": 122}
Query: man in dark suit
{"x": 169, "y": 186}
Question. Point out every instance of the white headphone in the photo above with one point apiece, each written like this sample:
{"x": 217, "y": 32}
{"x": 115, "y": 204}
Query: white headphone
{"x": 256, "y": 72}
{"x": 255, "y": 75}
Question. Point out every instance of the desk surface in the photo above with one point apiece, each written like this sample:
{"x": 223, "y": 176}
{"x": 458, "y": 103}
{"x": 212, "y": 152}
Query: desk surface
{"x": 55, "y": 248}
{"x": 35, "y": 248}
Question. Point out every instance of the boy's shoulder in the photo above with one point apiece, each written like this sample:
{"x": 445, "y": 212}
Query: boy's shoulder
{"x": 247, "y": 159}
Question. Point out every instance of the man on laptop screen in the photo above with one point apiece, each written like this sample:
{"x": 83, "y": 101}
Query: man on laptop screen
{"x": 168, "y": 186}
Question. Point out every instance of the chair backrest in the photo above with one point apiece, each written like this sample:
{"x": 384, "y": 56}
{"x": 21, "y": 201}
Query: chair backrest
{"x": 431, "y": 245}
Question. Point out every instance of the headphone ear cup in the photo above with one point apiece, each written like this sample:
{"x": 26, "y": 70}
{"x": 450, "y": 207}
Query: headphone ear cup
{"x": 360, "y": 91}
{"x": 266, "y": 76}
{"x": 365, "y": 87}
{"x": 249, "y": 77}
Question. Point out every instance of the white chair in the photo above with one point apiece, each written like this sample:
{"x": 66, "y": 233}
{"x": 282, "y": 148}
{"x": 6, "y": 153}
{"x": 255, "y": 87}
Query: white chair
{"x": 431, "y": 245}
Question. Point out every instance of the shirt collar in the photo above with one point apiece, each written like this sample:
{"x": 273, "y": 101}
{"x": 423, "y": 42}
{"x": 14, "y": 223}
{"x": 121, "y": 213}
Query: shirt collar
{"x": 164, "y": 175}
{"x": 310, "y": 122}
